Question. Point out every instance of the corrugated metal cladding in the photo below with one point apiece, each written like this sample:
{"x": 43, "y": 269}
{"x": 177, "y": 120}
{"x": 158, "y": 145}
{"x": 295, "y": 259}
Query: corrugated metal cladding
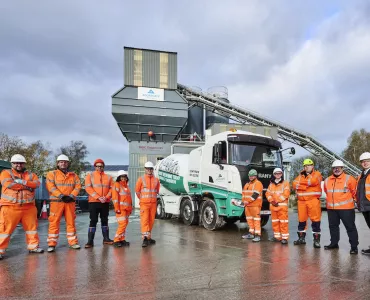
{"x": 150, "y": 68}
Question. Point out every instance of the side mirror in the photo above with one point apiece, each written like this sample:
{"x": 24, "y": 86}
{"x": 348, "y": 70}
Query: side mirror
{"x": 217, "y": 153}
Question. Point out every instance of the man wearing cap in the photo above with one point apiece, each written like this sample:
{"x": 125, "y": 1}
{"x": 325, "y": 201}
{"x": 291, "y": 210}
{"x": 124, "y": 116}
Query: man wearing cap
{"x": 99, "y": 187}
{"x": 147, "y": 189}
{"x": 17, "y": 204}
{"x": 278, "y": 194}
{"x": 252, "y": 199}
{"x": 63, "y": 187}
{"x": 340, "y": 189}
{"x": 121, "y": 197}
{"x": 308, "y": 189}
{"x": 363, "y": 191}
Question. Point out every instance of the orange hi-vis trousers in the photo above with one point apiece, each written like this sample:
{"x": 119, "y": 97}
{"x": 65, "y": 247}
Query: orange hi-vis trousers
{"x": 57, "y": 209}
{"x": 122, "y": 220}
{"x": 11, "y": 216}
{"x": 280, "y": 222}
{"x": 147, "y": 217}
{"x": 254, "y": 219}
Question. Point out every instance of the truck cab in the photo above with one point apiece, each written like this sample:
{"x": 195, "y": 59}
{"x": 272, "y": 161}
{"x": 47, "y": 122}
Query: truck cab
{"x": 226, "y": 160}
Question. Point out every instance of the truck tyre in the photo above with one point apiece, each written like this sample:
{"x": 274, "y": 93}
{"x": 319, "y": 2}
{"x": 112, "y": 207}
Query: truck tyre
{"x": 264, "y": 220}
{"x": 188, "y": 216}
{"x": 210, "y": 218}
{"x": 159, "y": 214}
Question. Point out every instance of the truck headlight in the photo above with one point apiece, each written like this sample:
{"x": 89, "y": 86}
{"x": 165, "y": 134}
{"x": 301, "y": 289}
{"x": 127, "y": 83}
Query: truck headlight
{"x": 237, "y": 202}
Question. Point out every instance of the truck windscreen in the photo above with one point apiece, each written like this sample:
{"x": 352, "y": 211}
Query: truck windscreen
{"x": 246, "y": 154}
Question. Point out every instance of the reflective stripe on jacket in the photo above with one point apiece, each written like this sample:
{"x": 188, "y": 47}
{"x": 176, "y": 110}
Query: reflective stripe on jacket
{"x": 147, "y": 188}
{"x": 340, "y": 192}
{"x": 98, "y": 184}
{"x": 249, "y": 189}
{"x": 121, "y": 196}
{"x": 13, "y": 193}
{"x": 59, "y": 183}
{"x": 308, "y": 187}
{"x": 278, "y": 192}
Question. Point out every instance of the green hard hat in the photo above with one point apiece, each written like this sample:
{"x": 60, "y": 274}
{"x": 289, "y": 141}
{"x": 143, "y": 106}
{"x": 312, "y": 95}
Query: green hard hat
{"x": 252, "y": 172}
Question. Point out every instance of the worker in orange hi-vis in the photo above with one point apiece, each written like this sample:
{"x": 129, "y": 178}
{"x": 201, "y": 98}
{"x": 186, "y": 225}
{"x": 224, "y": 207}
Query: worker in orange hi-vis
{"x": 121, "y": 197}
{"x": 63, "y": 187}
{"x": 17, "y": 204}
{"x": 277, "y": 194}
{"x": 252, "y": 199}
{"x": 99, "y": 185}
{"x": 308, "y": 189}
{"x": 147, "y": 188}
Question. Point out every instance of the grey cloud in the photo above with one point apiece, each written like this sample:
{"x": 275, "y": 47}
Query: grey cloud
{"x": 61, "y": 61}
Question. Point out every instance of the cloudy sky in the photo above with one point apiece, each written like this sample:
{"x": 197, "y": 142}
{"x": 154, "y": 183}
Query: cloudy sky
{"x": 303, "y": 63}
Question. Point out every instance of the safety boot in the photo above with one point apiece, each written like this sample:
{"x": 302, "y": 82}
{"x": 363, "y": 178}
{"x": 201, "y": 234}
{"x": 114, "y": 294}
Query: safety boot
{"x": 125, "y": 243}
{"x": 90, "y": 237}
{"x": 51, "y": 249}
{"x": 274, "y": 239}
{"x": 117, "y": 244}
{"x": 75, "y": 246}
{"x": 1, "y": 256}
{"x": 248, "y": 236}
{"x": 256, "y": 239}
{"x": 354, "y": 250}
{"x": 145, "y": 242}
{"x": 331, "y": 246}
{"x": 301, "y": 239}
{"x": 36, "y": 250}
{"x": 316, "y": 240}
{"x": 106, "y": 239}
{"x": 284, "y": 242}
{"x": 151, "y": 241}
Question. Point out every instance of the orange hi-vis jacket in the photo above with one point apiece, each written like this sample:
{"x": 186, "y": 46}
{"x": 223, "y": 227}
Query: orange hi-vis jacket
{"x": 121, "y": 196}
{"x": 18, "y": 193}
{"x": 249, "y": 189}
{"x": 147, "y": 188}
{"x": 59, "y": 184}
{"x": 98, "y": 184}
{"x": 278, "y": 192}
{"x": 340, "y": 192}
{"x": 308, "y": 187}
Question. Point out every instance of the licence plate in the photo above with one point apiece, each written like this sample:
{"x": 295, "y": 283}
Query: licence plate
{"x": 265, "y": 212}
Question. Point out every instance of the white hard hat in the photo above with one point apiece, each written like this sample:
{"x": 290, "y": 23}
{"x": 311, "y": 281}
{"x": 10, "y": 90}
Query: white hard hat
{"x": 121, "y": 172}
{"x": 365, "y": 155}
{"x": 277, "y": 170}
{"x": 18, "y": 158}
{"x": 337, "y": 163}
{"x": 148, "y": 164}
{"x": 62, "y": 157}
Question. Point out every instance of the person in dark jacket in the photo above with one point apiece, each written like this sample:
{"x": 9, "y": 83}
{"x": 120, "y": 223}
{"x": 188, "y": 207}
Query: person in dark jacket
{"x": 363, "y": 191}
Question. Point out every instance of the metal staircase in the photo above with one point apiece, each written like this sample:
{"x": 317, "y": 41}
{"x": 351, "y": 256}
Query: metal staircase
{"x": 244, "y": 116}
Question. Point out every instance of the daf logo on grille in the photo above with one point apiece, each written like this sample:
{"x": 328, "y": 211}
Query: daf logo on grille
{"x": 260, "y": 175}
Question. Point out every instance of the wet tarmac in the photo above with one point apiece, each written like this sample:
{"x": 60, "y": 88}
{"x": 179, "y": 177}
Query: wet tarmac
{"x": 187, "y": 263}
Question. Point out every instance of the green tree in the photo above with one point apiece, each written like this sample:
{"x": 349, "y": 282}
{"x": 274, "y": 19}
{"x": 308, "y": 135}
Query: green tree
{"x": 10, "y": 146}
{"x": 358, "y": 143}
{"x": 37, "y": 154}
{"x": 77, "y": 154}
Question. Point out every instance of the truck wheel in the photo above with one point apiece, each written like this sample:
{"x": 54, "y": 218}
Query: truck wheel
{"x": 264, "y": 220}
{"x": 210, "y": 218}
{"x": 159, "y": 214}
{"x": 188, "y": 216}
